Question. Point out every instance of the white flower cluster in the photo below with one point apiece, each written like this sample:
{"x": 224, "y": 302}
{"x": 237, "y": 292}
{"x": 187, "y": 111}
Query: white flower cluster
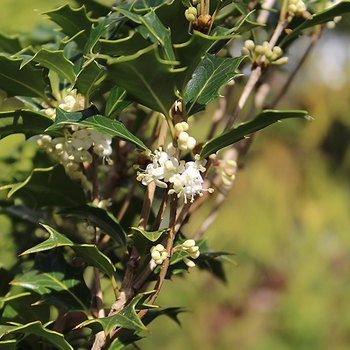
{"x": 69, "y": 100}
{"x": 185, "y": 177}
{"x": 159, "y": 254}
{"x": 72, "y": 150}
{"x": 296, "y": 7}
{"x": 256, "y": 52}
{"x": 184, "y": 141}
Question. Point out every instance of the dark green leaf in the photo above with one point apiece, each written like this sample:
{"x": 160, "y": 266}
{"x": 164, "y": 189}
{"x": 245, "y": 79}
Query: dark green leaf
{"x": 319, "y": 18}
{"x": 154, "y": 29}
{"x": 90, "y": 77}
{"x": 48, "y": 187}
{"x": 94, "y": 7}
{"x": 57, "y": 282}
{"x": 73, "y": 21}
{"x": 20, "y": 308}
{"x": 21, "y": 81}
{"x": 127, "y": 318}
{"x": 91, "y": 119}
{"x": 35, "y": 328}
{"x": 88, "y": 252}
{"x": 100, "y": 218}
{"x": 23, "y": 121}
{"x": 146, "y": 5}
{"x": 115, "y": 102}
{"x": 147, "y": 78}
{"x": 242, "y": 130}
{"x": 56, "y": 61}
{"x": 207, "y": 80}
{"x": 10, "y": 44}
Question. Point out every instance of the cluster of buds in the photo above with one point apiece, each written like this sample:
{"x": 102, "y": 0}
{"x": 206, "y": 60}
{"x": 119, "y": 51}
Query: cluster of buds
{"x": 184, "y": 177}
{"x": 158, "y": 254}
{"x": 184, "y": 140}
{"x": 296, "y": 8}
{"x": 257, "y": 52}
{"x": 73, "y": 150}
{"x": 190, "y": 247}
{"x": 191, "y": 14}
{"x": 227, "y": 169}
{"x": 202, "y": 22}
{"x": 337, "y": 19}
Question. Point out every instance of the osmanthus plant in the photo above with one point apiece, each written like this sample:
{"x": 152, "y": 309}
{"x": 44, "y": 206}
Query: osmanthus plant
{"x": 108, "y": 99}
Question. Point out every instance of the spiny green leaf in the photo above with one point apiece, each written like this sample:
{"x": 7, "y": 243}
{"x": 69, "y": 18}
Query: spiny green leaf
{"x": 325, "y": 16}
{"x": 48, "y": 187}
{"x": 125, "y": 46}
{"x": 23, "y": 121}
{"x": 153, "y": 29}
{"x": 90, "y": 118}
{"x": 207, "y": 80}
{"x": 10, "y": 44}
{"x": 88, "y": 252}
{"x": 147, "y": 78}
{"x": 151, "y": 236}
{"x": 146, "y": 5}
{"x": 190, "y": 53}
{"x": 21, "y": 81}
{"x": 35, "y": 328}
{"x": 73, "y": 21}
{"x": 127, "y": 318}
{"x": 89, "y": 79}
{"x": 100, "y": 218}
{"x": 57, "y": 282}
{"x": 242, "y": 130}
{"x": 115, "y": 102}
{"x": 56, "y": 61}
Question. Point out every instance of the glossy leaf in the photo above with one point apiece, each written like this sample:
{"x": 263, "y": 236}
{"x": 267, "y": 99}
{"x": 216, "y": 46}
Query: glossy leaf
{"x": 100, "y": 218}
{"x": 10, "y": 44}
{"x": 91, "y": 119}
{"x": 89, "y": 79}
{"x": 153, "y": 29}
{"x": 19, "y": 308}
{"x": 89, "y": 252}
{"x": 207, "y": 80}
{"x": 57, "y": 282}
{"x": 325, "y": 16}
{"x": 56, "y": 61}
{"x": 115, "y": 102}
{"x": 48, "y": 187}
{"x": 146, "y": 5}
{"x": 190, "y": 53}
{"x": 21, "y": 81}
{"x": 126, "y": 318}
{"x": 243, "y": 130}
{"x": 23, "y": 121}
{"x": 147, "y": 78}
{"x": 35, "y": 328}
{"x": 72, "y": 21}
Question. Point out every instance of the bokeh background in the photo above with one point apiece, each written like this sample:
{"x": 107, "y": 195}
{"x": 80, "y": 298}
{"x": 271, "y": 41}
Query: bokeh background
{"x": 287, "y": 220}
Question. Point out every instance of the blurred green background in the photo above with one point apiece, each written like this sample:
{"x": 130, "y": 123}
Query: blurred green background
{"x": 287, "y": 219}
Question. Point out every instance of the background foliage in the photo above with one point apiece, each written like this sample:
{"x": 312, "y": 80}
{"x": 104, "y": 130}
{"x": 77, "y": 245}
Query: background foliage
{"x": 288, "y": 225}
